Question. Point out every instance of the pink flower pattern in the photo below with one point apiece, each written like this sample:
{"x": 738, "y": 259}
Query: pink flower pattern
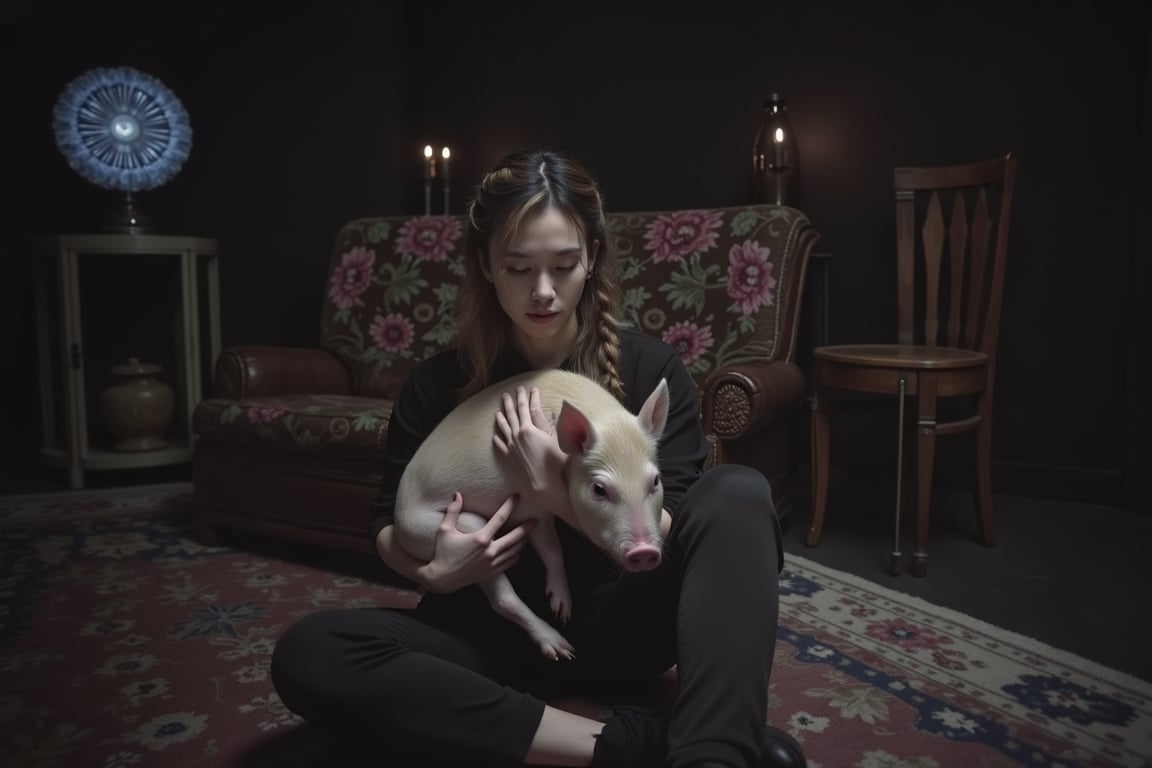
{"x": 352, "y": 277}
{"x": 263, "y": 414}
{"x": 393, "y": 332}
{"x": 689, "y": 339}
{"x": 750, "y": 279}
{"x": 673, "y": 236}
{"x": 429, "y": 238}
{"x": 708, "y": 280}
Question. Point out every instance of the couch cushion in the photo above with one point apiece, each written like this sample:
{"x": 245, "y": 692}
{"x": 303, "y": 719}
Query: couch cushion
{"x": 329, "y": 424}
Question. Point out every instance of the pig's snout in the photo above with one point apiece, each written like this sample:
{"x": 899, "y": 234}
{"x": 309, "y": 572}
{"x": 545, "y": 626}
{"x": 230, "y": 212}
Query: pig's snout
{"x": 643, "y": 557}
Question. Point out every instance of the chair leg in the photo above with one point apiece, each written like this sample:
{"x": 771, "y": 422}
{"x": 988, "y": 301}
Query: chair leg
{"x": 984, "y": 472}
{"x": 909, "y": 455}
{"x": 821, "y": 450}
{"x": 925, "y": 460}
{"x": 894, "y": 563}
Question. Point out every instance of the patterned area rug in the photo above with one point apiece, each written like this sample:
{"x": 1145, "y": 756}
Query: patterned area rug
{"x": 126, "y": 642}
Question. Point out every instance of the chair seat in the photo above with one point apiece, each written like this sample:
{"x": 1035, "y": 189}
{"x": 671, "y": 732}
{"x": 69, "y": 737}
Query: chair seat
{"x": 902, "y": 356}
{"x": 879, "y": 368}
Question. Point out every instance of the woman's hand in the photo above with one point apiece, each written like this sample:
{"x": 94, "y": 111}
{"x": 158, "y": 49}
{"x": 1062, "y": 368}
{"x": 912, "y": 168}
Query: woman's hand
{"x": 526, "y": 437}
{"x": 462, "y": 558}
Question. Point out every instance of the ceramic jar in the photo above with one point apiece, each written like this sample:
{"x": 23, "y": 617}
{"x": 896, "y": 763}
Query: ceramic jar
{"x": 137, "y": 407}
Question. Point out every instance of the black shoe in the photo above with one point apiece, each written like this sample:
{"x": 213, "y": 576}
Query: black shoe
{"x": 781, "y": 750}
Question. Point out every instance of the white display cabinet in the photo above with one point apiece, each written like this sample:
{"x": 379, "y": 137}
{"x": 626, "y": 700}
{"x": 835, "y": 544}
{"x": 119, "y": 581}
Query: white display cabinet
{"x": 167, "y": 287}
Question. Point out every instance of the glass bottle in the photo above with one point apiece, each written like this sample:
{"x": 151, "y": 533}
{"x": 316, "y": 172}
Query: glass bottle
{"x": 774, "y": 156}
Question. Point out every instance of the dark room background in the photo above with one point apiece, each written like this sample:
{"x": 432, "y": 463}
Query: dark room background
{"x": 304, "y": 119}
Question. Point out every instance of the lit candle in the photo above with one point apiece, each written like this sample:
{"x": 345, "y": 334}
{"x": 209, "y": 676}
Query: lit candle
{"x": 429, "y": 172}
{"x": 445, "y": 154}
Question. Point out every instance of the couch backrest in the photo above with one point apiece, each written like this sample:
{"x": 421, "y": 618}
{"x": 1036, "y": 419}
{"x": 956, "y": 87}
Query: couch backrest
{"x": 722, "y": 285}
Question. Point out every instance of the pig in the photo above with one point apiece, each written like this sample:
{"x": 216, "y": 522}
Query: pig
{"x": 611, "y": 473}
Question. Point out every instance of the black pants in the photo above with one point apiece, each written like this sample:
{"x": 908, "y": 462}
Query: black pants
{"x": 451, "y": 681}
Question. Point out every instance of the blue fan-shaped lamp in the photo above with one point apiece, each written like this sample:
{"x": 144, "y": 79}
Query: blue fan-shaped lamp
{"x": 122, "y": 130}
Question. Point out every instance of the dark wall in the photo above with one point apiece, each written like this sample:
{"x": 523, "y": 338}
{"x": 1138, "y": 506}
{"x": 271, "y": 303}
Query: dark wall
{"x": 307, "y": 119}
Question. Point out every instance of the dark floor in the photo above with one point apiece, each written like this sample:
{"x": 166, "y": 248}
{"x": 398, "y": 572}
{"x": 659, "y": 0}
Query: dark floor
{"x": 1074, "y": 576}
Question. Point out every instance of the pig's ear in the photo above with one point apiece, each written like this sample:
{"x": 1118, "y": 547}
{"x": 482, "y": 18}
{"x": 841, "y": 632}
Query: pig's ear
{"x": 654, "y": 413}
{"x": 573, "y": 430}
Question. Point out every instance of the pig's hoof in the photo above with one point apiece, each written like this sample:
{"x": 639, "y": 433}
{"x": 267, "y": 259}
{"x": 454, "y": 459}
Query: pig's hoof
{"x": 558, "y": 651}
{"x": 553, "y": 645}
{"x": 567, "y": 654}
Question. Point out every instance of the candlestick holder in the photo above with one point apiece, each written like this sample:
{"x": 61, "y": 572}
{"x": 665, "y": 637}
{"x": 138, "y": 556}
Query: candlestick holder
{"x": 429, "y": 175}
{"x": 445, "y": 175}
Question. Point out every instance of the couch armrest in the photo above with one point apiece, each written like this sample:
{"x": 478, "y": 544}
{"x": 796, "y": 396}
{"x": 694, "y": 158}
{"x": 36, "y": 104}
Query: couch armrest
{"x": 740, "y": 400}
{"x": 261, "y": 371}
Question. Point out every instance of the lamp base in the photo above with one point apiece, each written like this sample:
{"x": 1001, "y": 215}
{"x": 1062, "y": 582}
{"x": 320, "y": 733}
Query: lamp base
{"x": 127, "y": 218}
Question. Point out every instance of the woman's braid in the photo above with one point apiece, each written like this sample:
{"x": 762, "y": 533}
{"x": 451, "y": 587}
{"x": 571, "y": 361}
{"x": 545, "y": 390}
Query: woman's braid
{"x": 608, "y": 351}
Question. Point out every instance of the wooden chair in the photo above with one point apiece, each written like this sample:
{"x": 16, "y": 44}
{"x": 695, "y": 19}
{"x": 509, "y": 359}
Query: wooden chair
{"x": 952, "y": 225}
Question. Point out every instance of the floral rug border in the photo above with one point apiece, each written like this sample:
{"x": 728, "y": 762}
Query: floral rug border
{"x": 913, "y": 649}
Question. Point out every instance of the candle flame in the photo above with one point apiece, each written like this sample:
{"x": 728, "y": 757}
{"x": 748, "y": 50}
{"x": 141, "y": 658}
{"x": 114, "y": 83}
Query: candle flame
{"x": 427, "y": 150}
{"x": 445, "y": 153}
{"x": 778, "y": 137}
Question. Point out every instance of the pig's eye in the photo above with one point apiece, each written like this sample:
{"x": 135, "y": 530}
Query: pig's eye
{"x": 599, "y": 491}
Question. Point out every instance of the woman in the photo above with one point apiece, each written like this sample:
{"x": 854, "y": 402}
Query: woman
{"x": 453, "y": 683}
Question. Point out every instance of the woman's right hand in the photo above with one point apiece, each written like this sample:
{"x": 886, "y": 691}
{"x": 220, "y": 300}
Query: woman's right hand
{"x": 463, "y": 558}
{"x": 526, "y": 437}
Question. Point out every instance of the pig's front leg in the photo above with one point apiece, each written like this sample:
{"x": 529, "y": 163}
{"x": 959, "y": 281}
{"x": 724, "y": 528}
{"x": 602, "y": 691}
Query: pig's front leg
{"x": 507, "y": 603}
{"x": 547, "y": 545}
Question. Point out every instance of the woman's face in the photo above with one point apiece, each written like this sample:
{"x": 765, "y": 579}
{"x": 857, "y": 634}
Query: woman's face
{"x": 539, "y": 280}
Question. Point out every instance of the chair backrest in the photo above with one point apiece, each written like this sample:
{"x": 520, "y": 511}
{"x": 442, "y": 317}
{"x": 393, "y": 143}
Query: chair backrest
{"x": 952, "y": 225}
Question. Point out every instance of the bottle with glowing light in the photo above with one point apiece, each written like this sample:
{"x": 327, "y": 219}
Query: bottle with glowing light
{"x": 775, "y": 163}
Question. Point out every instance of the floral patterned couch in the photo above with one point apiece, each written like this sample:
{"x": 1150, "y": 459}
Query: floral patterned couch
{"x": 289, "y": 444}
